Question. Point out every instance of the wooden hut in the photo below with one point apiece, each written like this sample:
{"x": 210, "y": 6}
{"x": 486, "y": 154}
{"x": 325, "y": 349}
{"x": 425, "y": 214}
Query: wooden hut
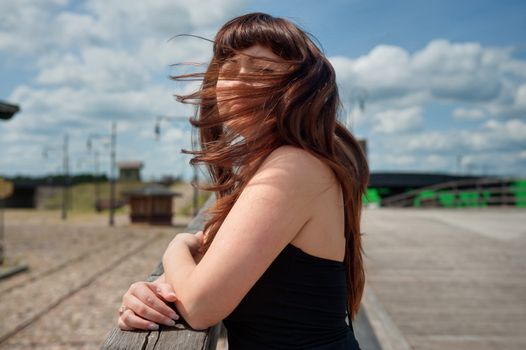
{"x": 152, "y": 204}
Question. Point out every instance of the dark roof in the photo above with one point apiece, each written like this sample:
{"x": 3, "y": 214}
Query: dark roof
{"x": 415, "y": 180}
{"x": 7, "y": 110}
{"x": 130, "y": 165}
{"x": 153, "y": 190}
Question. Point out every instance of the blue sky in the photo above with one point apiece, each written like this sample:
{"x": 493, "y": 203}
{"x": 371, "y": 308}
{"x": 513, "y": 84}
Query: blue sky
{"x": 442, "y": 81}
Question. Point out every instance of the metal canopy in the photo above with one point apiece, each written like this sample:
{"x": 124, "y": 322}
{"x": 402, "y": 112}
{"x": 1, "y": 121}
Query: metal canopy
{"x": 7, "y": 110}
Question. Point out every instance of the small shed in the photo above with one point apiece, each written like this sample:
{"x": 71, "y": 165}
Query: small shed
{"x": 152, "y": 205}
{"x": 130, "y": 171}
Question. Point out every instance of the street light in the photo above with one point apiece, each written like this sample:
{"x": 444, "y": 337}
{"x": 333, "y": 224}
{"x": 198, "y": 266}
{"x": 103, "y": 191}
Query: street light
{"x": 95, "y": 172}
{"x": 157, "y": 131}
{"x": 65, "y": 170}
{"x": 358, "y": 95}
{"x": 113, "y": 142}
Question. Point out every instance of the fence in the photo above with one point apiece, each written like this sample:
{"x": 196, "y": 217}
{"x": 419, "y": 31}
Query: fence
{"x": 464, "y": 193}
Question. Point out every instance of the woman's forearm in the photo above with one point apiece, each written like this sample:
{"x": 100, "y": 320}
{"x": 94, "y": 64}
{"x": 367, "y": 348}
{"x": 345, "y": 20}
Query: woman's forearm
{"x": 178, "y": 265}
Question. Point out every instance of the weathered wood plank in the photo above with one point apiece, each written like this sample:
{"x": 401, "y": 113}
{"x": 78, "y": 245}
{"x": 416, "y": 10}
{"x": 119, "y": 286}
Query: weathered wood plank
{"x": 170, "y": 338}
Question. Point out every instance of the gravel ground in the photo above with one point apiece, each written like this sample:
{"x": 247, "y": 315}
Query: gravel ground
{"x": 78, "y": 271}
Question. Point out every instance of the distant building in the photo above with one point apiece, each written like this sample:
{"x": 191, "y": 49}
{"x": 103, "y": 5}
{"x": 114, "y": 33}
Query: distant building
{"x": 130, "y": 171}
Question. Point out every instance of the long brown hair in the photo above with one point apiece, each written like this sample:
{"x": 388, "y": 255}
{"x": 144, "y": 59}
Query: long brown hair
{"x": 296, "y": 106}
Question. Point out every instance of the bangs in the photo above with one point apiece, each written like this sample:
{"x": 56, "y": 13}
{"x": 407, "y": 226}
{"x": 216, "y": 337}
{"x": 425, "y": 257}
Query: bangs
{"x": 258, "y": 28}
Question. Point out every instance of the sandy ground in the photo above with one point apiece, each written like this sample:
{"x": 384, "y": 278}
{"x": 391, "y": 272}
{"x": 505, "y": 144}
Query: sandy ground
{"x": 78, "y": 271}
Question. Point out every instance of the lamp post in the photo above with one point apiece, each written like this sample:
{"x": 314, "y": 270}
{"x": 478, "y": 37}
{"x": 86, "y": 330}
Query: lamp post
{"x": 94, "y": 173}
{"x": 97, "y": 185}
{"x": 65, "y": 172}
{"x": 195, "y": 179}
{"x": 112, "y": 138}
{"x": 358, "y": 95}
{"x": 459, "y": 164}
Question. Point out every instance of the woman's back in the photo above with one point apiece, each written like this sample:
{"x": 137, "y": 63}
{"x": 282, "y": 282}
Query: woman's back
{"x": 323, "y": 235}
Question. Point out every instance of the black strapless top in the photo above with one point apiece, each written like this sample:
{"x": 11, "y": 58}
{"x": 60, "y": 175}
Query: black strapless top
{"x": 298, "y": 303}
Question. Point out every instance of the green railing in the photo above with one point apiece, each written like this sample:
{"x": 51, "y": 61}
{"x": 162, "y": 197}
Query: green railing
{"x": 519, "y": 189}
{"x": 472, "y": 193}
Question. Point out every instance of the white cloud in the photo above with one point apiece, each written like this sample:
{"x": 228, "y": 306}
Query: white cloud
{"x": 468, "y": 113}
{"x": 398, "y": 120}
{"x": 487, "y": 78}
{"x": 458, "y": 71}
{"x": 505, "y": 136}
{"x": 485, "y": 85}
{"x": 101, "y": 60}
{"x": 23, "y": 21}
{"x": 98, "y": 69}
{"x": 511, "y": 130}
{"x": 436, "y": 162}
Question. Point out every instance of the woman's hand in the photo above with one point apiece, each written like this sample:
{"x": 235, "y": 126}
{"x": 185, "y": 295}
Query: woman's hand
{"x": 144, "y": 306}
{"x": 194, "y": 243}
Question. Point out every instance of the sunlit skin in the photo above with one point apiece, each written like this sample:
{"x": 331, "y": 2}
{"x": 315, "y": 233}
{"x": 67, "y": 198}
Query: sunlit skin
{"x": 256, "y": 59}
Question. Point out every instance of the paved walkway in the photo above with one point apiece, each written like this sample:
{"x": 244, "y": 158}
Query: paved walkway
{"x": 449, "y": 279}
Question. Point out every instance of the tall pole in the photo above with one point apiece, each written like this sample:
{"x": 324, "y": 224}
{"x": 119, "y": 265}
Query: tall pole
{"x": 358, "y": 95}
{"x": 66, "y": 182}
{"x": 97, "y": 185}
{"x": 195, "y": 179}
{"x": 196, "y": 191}
{"x": 459, "y": 164}
{"x": 1, "y": 230}
{"x": 112, "y": 178}
{"x": 112, "y": 172}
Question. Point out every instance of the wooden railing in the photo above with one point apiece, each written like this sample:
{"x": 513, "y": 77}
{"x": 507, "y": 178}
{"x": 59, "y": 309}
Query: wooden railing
{"x": 179, "y": 337}
{"x": 463, "y": 193}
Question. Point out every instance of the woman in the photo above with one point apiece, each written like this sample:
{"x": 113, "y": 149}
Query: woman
{"x": 280, "y": 259}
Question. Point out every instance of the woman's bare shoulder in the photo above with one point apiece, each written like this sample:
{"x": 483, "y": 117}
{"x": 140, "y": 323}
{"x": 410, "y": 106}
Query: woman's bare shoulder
{"x": 303, "y": 163}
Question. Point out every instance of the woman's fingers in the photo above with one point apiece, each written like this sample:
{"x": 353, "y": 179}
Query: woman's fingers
{"x": 129, "y": 321}
{"x": 151, "y": 297}
{"x": 165, "y": 291}
{"x": 146, "y": 312}
{"x": 200, "y": 235}
{"x": 145, "y": 306}
{"x": 147, "y": 294}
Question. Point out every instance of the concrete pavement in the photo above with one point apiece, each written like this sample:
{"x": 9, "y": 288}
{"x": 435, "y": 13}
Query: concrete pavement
{"x": 448, "y": 279}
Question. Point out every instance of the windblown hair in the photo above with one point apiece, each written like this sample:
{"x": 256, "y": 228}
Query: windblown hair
{"x": 295, "y": 106}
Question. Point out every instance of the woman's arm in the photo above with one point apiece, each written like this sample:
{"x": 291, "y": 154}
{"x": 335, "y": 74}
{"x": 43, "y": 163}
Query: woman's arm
{"x": 144, "y": 305}
{"x": 271, "y": 210}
